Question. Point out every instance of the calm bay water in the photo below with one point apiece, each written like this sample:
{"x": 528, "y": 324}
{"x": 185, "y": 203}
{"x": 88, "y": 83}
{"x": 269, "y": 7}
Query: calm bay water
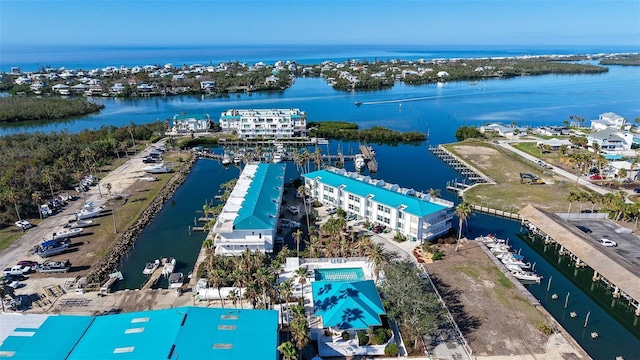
{"x": 440, "y": 110}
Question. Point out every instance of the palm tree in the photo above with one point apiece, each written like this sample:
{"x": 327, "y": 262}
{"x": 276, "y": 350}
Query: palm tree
{"x": 217, "y": 278}
{"x": 297, "y": 236}
{"x": 131, "y": 128}
{"x": 434, "y": 192}
{"x": 571, "y": 198}
{"x": 302, "y": 190}
{"x": 301, "y": 273}
{"x": 300, "y": 332}
{"x": 463, "y": 211}
{"x": 233, "y": 296}
{"x": 313, "y": 245}
{"x": 47, "y": 174}
{"x": 113, "y": 207}
{"x": 378, "y": 256}
{"x": 288, "y": 351}
{"x": 37, "y": 198}
{"x": 12, "y": 196}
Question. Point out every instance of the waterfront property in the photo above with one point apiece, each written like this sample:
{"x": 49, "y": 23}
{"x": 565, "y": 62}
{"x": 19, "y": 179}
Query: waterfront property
{"x": 416, "y": 215}
{"x": 190, "y": 124}
{"x": 265, "y": 123}
{"x": 249, "y": 218}
{"x": 185, "y": 332}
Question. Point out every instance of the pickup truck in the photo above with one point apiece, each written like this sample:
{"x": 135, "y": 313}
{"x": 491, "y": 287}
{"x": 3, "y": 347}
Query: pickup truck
{"x": 17, "y": 270}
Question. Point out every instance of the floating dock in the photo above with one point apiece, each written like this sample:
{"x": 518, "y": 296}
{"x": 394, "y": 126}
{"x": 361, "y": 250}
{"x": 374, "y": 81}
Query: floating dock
{"x": 155, "y": 276}
{"x": 474, "y": 175}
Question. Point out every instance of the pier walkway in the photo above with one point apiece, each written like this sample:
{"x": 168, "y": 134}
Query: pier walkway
{"x": 614, "y": 270}
{"x": 369, "y": 158}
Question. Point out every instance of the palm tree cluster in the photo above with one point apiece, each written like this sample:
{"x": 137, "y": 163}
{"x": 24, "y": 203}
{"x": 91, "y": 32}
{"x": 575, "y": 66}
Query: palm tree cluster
{"x": 613, "y": 203}
{"x": 35, "y": 164}
{"x": 411, "y": 301}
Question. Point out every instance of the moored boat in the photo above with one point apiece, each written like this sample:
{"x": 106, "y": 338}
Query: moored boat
{"x": 359, "y": 162}
{"x": 526, "y": 276}
{"x": 54, "y": 267}
{"x": 226, "y": 159}
{"x": 169, "y": 266}
{"x": 151, "y": 266}
{"x": 176, "y": 280}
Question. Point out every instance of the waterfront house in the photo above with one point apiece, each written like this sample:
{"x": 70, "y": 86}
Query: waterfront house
{"x": 613, "y": 141}
{"x": 190, "y": 124}
{"x": 554, "y": 144}
{"x": 265, "y": 123}
{"x": 502, "y": 130}
{"x": 416, "y": 215}
{"x": 185, "y": 332}
{"x": 249, "y": 218}
{"x": 608, "y": 120}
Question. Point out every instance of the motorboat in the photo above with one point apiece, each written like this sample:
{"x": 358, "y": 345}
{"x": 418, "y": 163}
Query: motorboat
{"x": 176, "y": 280}
{"x": 169, "y": 266}
{"x": 148, "y": 178}
{"x": 79, "y": 224}
{"x": 513, "y": 259}
{"x": 52, "y": 247}
{"x": 358, "y": 103}
{"x": 67, "y": 233}
{"x": 277, "y": 158}
{"x": 157, "y": 169}
{"x": 359, "y": 162}
{"x": 151, "y": 266}
{"x": 89, "y": 212}
{"x": 226, "y": 159}
{"x": 54, "y": 267}
{"x": 526, "y": 276}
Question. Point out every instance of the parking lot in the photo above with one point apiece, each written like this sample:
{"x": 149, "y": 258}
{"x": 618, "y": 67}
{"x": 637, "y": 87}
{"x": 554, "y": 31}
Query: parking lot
{"x": 628, "y": 242}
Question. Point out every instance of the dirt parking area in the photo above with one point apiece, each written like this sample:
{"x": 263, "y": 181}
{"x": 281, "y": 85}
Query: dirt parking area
{"x": 495, "y": 317}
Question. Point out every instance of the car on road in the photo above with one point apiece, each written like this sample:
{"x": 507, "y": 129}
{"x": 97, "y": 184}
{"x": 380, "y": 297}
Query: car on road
{"x": 288, "y": 223}
{"x": 636, "y": 190}
{"x": 29, "y": 263}
{"x": 584, "y": 229}
{"x": 23, "y": 224}
{"x": 596, "y": 177}
{"x": 331, "y": 210}
{"x": 608, "y": 243}
{"x": 293, "y": 209}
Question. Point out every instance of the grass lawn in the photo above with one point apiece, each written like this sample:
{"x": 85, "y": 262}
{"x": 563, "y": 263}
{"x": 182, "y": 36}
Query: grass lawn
{"x": 509, "y": 194}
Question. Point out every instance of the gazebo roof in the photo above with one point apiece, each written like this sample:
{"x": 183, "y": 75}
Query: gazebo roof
{"x": 347, "y": 305}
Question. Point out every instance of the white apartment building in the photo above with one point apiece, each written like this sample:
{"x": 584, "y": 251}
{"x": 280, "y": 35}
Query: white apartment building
{"x": 250, "y": 216}
{"x": 416, "y": 215}
{"x": 265, "y": 123}
{"x": 189, "y": 123}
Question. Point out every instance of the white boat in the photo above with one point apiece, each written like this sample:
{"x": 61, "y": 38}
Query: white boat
{"x": 526, "y": 276}
{"x": 226, "y": 159}
{"x": 169, "y": 266}
{"x": 359, "y": 161}
{"x": 54, "y": 267}
{"x": 513, "y": 259}
{"x": 176, "y": 280}
{"x": 79, "y": 224}
{"x": 52, "y": 247}
{"x": 67, "y": 233}
{"x": 89, "y": 212}
{"x": 277, "y": 158}
{"x": 151, "y": 266}
{"x": 148, "y": 178}
{"x": 157, "y": 169}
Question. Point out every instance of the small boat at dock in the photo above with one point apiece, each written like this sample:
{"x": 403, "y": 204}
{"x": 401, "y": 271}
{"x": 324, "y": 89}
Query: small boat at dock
{"x": 176, "y": 280}
{"x": 151, "y": 266}
{"x": 359, "y": 162}
{"x": 169, "y": 266}
{"x": 526, "y": 276}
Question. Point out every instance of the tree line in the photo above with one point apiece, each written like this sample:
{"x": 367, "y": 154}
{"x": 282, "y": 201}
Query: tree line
{"x": 37, "y": 166}
{"x": 340, "y": 130}
{"x": 21, "y": 108}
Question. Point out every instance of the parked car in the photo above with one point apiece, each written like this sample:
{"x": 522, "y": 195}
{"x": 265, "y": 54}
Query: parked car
{"x": 148, "y": 160}
{"x": 31, "y": 264}
{"x": 608, "y": 243}
{"x": 288, "y": 223}
{"x": 23, "y": 224}
{"x": 293, "y": 209}
{"x": 378, "y": 229}
{"x": 331, "y": 210}
{"x": 596, "y": 177}
{"x": 636, "y": 190}
{"x": 279, "y": 239}
{"x": 584, "y": 229}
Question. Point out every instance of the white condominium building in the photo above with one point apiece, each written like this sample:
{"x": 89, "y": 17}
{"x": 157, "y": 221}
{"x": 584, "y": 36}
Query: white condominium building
{"x": 265, "y": 123}
{"x": 249, "y": 218}
{"x": 416, "y": 215}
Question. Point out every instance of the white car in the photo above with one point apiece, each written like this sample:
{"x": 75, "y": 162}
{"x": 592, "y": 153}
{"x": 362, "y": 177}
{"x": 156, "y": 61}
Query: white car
{"x": 288, "y": 223}
{"x": 331, "y": 210}
{"x": 23, "y": 224}
{"x": 608, "y": 243}
{"x": 293, "y": 209}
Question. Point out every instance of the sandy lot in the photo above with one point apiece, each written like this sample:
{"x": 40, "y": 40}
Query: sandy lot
{"x": 496, "y": 318}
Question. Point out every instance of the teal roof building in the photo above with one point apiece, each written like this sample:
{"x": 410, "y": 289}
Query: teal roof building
{"x": 178, "y": 333}
{"x": 417, "y": 215}
{"x": 347, "y": 305}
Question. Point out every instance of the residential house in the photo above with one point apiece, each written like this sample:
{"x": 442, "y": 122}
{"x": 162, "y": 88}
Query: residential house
{"x": 608, "y": 120}
{"x": 190, "y": 124}
{"x": 612, "y": 140}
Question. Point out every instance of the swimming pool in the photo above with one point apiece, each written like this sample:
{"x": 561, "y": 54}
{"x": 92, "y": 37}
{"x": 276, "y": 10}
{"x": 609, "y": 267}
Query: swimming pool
{"x": 340, "y": 274}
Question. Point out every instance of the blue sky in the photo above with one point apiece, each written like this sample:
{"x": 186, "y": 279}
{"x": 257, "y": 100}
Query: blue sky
{"x": 453, "y": 22}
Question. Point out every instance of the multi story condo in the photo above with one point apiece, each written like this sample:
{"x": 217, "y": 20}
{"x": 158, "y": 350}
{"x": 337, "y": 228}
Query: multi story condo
{"x": 416, "y": 215}
{"x": 263, "y": 123}
{"x": 249, "y": 218}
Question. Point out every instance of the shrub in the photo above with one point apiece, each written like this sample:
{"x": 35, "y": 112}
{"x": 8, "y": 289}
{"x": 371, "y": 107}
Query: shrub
{"x": 544, "y": 327}
{"x": 399, "y": 237}
{"x": 363, "y": 339}
{"x": 380, "y": 336}
{"x": 391, "y": 350}
{"x": 345, "y": 335}
{"x": 437, "y": 255}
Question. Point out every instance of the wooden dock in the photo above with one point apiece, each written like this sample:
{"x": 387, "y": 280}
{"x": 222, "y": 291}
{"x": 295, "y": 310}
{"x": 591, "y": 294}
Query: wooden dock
{"x": 369, "y": 158}
{"x": 153, "y": 279}
{"x": 471, "y": 173}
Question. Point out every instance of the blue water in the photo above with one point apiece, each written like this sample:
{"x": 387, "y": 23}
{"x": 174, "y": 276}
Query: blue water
{"x": 440, "y": 110}
{"x": 30, "y": 58}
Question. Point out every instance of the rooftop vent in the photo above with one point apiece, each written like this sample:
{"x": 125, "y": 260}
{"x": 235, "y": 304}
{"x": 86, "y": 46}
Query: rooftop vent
{"x": 139, "y": 320}
{"x": 134, "y": 330}
{"x": 222, "y": 346}
{"x": 226, "y": 327}
{"x": 121, "y": 350}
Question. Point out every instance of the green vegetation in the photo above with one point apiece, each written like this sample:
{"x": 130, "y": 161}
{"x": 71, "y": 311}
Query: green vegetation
{"x": 340, "y": 130}
{"x": 22, "y": 108}
{"x": 468, "y": 132}
{"x": 37, "y": 166}
{"x": 622, "y": 59}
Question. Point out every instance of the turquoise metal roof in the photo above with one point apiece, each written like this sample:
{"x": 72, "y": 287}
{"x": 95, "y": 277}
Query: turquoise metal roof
{"x": 384, "y": 196}
{"x": 54, "y": 339}
{"x": 259, "y": 210}
{"x": 347, "y": 305}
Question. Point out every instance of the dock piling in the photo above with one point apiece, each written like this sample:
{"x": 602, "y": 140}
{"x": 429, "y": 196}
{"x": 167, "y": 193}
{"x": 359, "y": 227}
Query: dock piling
{"x": 566, "y": 301}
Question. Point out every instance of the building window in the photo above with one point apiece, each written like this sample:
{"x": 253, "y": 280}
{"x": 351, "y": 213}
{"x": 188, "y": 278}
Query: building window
{"x": 386, "y": 221}
{"x": 350, "y": 206}
{"x": 399, "y": 214}
{"x": 380, "y": 207}
{"x": 399, "y": 224}
{"x": 379, "y": 217}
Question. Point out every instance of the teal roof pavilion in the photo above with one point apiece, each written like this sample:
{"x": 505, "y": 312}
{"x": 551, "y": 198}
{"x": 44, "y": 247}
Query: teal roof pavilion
{"x": 347, "y": 305}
